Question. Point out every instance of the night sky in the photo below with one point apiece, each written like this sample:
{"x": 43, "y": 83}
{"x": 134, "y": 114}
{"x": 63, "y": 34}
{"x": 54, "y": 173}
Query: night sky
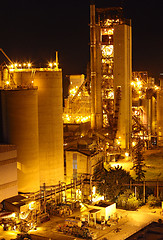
{"x": 34, "y": 30}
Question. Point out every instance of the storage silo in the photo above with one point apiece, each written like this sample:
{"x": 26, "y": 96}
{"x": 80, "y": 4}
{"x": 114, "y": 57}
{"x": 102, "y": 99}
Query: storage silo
{"x": 20, "y": 125}
{"x": 50, "y": 112}
{"x": 122, "y": 78}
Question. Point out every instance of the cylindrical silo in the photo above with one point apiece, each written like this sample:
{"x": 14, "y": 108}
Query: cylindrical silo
{"x": 20, "y": 124}
{"x": 122, "y": 78}
{"x": 50, "y": 111}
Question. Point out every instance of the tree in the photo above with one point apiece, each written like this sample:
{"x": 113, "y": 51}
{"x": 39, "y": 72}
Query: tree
{"x": 139, "y": 161}
{"x": 111, "y": 183}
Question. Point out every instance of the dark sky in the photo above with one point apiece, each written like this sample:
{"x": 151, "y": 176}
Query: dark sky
{"x": 34, "y": 30}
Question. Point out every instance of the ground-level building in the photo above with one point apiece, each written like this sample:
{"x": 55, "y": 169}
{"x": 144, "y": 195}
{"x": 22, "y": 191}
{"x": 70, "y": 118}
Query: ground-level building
{"x": 80, "y": 162}
{"x": 101, "y": 211}
{"x": 8, "y": 171}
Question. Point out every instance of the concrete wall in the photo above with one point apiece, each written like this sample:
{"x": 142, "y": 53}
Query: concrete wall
{"x": 23, "y": 78}
{"x": 122, "y": 77}
{"x": 82, "y": 164}
{"x": 93, "y": 161}
{"x": 69, "y": 166}
{"x": 160, "y": 115}
{"x": 8, "y": 172}
{"x": 20, "y": 125}
{"x": 110, "y": 210}
{"x": 105, "y": 212}
{"x": 50, "y": 112}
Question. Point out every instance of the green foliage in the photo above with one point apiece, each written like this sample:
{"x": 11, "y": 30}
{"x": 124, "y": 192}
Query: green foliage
{"x": 139, "y": 161}
{"x": 128, "y": 201}
{"x": 153, "y": 201}
{"x": 111, "y": 183}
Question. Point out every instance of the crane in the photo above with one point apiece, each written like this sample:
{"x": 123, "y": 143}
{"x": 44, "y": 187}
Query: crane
{"x": 6, "y": 56}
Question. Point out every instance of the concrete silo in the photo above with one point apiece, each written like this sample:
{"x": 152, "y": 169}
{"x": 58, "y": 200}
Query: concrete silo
{"x": 20, "y": 126}
{"x": 122, "y": 78}
{"x": 50, "y": 111}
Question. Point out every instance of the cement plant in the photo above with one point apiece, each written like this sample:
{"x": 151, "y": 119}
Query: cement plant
{"x": 65, "y": 165}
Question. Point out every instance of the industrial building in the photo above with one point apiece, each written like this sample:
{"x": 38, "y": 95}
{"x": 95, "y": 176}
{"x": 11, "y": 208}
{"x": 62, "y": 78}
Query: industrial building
{"x": 160, "y": 112}
{"x": 100, "y": 211}
{"x": 108, "y": 81}
{"x": 8, "y": 171}
{"x": 31, "y": 115}
{"x": 112, "y": 107}
{"x": 49, "y": 153}
{"x": 105, "y": 114}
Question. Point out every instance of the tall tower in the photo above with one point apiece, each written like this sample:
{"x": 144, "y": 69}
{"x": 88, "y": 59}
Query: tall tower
{"x": 50, "y": 124}
{"x": 95, "y": 54}
{"x": 111, "y": 72}
{"x": 122, "y": 77}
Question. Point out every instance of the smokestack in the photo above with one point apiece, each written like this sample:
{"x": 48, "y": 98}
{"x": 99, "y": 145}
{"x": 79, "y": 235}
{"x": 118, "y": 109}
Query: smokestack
{"x": 95, "y": 66}
{"x": 93, "y": 62}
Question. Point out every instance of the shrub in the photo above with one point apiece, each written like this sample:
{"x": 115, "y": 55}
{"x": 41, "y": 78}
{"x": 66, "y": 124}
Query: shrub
{"x": 153, "y": 201}
{"x": 128, "y": 201}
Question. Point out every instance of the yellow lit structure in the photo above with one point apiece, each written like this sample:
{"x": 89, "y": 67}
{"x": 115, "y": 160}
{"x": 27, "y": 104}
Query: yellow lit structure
{"x": 107, "y": 100}
{"x": 20, "y": 121}
{"x": 122, "y": 78}
{"x": 50, "y": 112}
{"x": 160, "y": 113}
{"x": 111, "y": 68}
{"x": 101, "y": 211}
{"x": 144, "y": 107}
{"x": 78, "y": 105}
{"x": 122, "y": 104}
{"x": 76, "y": 164}
{"x": 32, "y": 120}
{"x": 8, "y": 171}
